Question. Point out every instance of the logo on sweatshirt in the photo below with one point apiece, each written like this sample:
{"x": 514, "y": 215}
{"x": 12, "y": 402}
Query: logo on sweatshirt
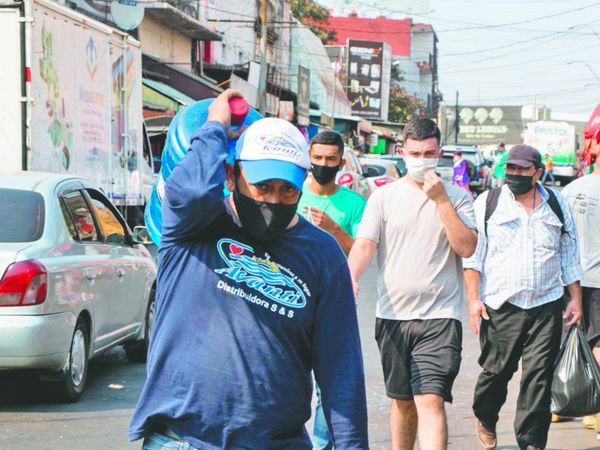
{"x": 262, "y": 275}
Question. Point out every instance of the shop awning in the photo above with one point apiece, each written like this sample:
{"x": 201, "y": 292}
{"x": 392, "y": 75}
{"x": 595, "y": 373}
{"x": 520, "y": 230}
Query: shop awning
{"x": 317, "y": 113}
{"x": 187, "y": 83}
{"x": 158, "y": 125}
{"x": 384, "y": 132}
{"x": 167, "y": 91}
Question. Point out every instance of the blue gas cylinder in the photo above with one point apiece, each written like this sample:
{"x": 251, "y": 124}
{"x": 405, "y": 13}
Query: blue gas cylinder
{"x": 185, "y": 123}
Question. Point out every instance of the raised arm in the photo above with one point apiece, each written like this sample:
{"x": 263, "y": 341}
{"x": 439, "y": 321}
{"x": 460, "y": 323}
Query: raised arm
{"x": 194, "y": 191}
{"x": 462, "y": 238}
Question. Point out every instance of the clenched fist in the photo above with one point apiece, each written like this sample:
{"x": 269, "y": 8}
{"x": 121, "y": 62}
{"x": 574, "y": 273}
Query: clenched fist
{"x": 320, "y": 219}
{"x": 219, "y": 109}
{"x": 434, "y": 187}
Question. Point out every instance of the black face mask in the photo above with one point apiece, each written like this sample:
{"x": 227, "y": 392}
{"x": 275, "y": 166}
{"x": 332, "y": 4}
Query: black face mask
{"x": 323, "y": 174}
{"x": 261, "y": 220}
{"x": 519, "y": 184}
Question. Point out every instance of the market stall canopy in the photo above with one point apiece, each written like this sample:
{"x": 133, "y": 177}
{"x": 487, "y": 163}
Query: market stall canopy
{"x": 183, "y": 81}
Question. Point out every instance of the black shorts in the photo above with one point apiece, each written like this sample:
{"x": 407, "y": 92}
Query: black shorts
{"x": 591, "y": 315}
{"x": 419, "y": 356}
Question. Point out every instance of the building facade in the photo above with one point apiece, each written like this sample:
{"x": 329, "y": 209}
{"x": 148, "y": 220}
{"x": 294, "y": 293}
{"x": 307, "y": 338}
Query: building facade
{"x": 238, "y": 23}
{"x": 413, "y": 51}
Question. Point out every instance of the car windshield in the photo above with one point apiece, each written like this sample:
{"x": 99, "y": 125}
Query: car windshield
{"x": 21, "y": 215}
{"x": 446, "y": 161}
{"x": 391, "y": 170}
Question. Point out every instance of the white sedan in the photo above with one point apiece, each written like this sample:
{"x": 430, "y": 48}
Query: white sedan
{"x": 73, "y": 283}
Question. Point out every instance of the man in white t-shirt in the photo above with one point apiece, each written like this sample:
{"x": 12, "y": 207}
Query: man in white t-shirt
{"x": 583, "y": 196}
{"x": 420, "y": 228}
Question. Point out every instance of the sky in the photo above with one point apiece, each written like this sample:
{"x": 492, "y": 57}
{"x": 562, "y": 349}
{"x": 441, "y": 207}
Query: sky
{"x": 508, "y": 52}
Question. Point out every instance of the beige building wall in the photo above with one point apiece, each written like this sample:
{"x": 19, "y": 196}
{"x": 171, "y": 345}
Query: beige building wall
{"x": 165, "y": 43}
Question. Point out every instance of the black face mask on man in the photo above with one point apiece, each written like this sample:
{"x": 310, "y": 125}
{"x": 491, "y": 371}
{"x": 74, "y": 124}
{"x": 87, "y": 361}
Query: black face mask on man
{"x": 323, "y": 174}
{"x": 261, "y": 220}
{"x": 520, "y": 184}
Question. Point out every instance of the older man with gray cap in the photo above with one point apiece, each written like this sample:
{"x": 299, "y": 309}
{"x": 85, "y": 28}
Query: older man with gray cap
{"x": 250, "y": 299}
{"x": 527, "y": 250}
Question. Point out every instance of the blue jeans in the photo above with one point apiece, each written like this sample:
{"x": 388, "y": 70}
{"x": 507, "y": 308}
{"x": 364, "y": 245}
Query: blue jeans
{"x": 157, "y": 441}
{"x": 548, "y": 173}
{"x": 321, "y": 439}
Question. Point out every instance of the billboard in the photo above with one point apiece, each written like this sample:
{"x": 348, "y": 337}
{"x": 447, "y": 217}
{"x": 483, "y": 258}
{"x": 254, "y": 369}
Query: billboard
{"x": 482, "y": 124}
{"x": 303, "y": 96}
{"x": 367, "y": 79}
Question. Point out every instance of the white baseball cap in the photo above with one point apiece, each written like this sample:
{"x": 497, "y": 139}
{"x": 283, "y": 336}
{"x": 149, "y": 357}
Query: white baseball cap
{"x": 273, "y": 149}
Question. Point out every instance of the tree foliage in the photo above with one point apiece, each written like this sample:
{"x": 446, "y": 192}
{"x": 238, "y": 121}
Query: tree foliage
{"x": 403, "y": 107}
{"x": 315, "y": 17}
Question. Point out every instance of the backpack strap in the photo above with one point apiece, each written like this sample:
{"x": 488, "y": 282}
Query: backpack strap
{"x": 556, "y": 209}
{"x": 491, "y": 202}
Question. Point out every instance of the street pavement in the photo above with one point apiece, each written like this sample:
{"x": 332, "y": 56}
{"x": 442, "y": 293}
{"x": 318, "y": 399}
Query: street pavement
{"x": 31, "y": 418}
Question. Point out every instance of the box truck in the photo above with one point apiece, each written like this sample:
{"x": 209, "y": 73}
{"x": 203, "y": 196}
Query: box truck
{"x": 557, "y": 139}
{"x": 71, "y": 100}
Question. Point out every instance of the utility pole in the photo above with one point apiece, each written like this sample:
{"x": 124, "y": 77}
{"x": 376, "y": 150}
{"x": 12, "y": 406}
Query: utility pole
{"x": 335, "y": 80}
{"x": 262, "y": 83}
{"x": 456, "y": 120}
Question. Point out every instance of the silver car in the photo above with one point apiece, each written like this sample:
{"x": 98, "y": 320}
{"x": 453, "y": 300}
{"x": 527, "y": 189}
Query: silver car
{"x": 352, "y": 175}
{"x": 73, "y": 283}
{"x": 382, "y": 171}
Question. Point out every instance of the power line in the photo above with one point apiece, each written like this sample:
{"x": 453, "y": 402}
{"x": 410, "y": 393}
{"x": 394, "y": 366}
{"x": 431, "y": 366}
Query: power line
{"x": 520, "y": 22}
{"x": 511, "y": 65}
{"x": 551, "y": 34}
{"x": 512, "y": 53}
{"x": 473, "y": 25}
{"x": 541, "y": 94}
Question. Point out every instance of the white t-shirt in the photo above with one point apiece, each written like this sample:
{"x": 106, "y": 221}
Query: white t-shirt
{"x": 583, "y": 195}
{"x": 420, "y": 275}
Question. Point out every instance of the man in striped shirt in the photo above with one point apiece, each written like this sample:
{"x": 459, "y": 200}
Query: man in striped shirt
{"x": 514, "y": 281}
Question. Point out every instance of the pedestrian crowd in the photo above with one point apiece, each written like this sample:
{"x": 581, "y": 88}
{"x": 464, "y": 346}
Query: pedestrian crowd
{"x": 257, "y": 291}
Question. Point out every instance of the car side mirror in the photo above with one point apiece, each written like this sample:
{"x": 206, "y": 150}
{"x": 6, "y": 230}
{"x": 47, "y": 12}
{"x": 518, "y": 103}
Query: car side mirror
{"x": 141, "y": 236}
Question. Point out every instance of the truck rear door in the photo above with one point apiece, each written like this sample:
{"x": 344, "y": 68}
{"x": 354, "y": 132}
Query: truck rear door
{"x": 11, "y": 82}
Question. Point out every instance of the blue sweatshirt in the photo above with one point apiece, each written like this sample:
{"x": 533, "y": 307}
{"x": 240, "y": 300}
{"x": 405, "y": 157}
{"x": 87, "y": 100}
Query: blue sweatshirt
{"x": 240, "y": 325}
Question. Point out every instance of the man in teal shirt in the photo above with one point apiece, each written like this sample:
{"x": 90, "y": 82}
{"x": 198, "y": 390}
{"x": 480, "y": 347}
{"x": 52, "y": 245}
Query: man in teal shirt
{"x": 338, "y": 211}
{"x": 499, "y": 176}
{"x": 331, "y": 207}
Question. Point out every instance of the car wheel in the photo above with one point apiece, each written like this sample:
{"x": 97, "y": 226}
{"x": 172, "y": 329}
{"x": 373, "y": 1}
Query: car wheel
{"x": 138, "y": 351}
{"x": 75, "y": 376}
